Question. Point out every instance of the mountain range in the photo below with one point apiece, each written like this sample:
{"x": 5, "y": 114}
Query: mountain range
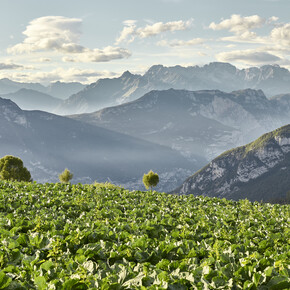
{"x": 79, "y": 98}
{"x": 258, "y": 171}
{"x": 204, "y": 123}
{"x": 272, "y": 79}
{"x": 48, "y": 143}
{"x": 57, "y": 89}
{"x": 164, "y": 120}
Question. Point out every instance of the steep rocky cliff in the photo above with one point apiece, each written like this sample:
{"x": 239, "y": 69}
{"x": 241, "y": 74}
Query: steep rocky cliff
{"x": 257, "y": 171}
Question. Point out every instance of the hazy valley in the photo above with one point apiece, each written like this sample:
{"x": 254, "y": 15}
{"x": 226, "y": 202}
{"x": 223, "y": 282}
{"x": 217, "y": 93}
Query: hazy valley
{"x": 164, "y": 120}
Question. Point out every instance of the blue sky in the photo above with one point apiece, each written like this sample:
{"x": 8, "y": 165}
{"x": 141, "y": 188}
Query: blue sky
{"x": 43, "y": 41}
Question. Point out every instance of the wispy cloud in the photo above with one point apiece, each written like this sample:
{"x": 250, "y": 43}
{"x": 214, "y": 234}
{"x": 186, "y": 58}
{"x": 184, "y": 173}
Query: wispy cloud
{"x": 130, "y": 31}
{"x": 10, "y": 66}
{"x": 62, "y": 34}
{"x": 176, "y": 42}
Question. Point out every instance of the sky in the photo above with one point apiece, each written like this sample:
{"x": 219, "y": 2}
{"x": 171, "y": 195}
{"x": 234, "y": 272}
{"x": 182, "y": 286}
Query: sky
{"x": 60, "y": 40}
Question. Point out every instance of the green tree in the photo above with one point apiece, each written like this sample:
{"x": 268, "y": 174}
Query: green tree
{"x": 65, "y": 176}
{"x": 11, "y": 168}
{"x": 150, "y": 179}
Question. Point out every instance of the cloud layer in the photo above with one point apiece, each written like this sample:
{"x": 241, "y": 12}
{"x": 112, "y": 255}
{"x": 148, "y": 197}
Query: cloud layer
{"x": 251, "y": 57}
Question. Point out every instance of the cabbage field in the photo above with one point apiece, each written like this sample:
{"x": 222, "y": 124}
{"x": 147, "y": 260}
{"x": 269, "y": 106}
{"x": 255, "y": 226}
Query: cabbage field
{"x": 62, "y": 236}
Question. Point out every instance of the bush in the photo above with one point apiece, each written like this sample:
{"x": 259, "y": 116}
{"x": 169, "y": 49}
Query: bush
{"x": 150, "y": 179}
{"x": 11, "y": 168}
{"x": 65, "y": 176}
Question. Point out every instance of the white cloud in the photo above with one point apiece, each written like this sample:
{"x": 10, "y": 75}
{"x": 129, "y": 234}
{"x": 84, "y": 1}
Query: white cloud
{"x": 249, "y": 57}
{"x": 130, "y": 31}
{"x": 62, "y": 34}
{"x": 50, "y": 33}
{"x": 246, "y": 37}
{"x": 241, "y": 28}
{"x": 127, "y": 32}
{"x": 201, "y": 53}
{"x": 281, "y": 35}
{"x": 176, "y": 42}
{"x": 99, "y": 55}
{"x": 238, "y": 24}
{"x": 44, "y": 59}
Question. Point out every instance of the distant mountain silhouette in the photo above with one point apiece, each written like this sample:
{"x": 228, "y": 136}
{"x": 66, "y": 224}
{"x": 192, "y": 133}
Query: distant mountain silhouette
{"x": 204, "y": 123}
{"x": 272, "y": 79}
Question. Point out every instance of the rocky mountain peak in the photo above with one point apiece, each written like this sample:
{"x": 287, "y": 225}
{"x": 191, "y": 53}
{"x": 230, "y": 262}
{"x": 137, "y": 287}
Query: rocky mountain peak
{"x": 126, "y": 74}
{"x": 154, "y": 69}
{"x": 224, "y": 66}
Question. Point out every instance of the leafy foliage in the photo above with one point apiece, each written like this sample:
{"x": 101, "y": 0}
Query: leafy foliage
{"x": 65, "y": 176}
{"x": 64, "y": 236}
{"x": 150, "y": 179}
{"x": 11, "y": 168}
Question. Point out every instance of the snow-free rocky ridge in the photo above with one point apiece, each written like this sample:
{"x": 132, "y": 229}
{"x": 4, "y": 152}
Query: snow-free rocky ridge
{"x": 257, "y": 171}
{"x": 272, "y": 79}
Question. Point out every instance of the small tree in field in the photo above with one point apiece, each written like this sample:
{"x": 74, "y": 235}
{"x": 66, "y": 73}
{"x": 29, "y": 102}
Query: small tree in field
{"x": 65, "y": 176}
{"x": 11, "y": 168}
{"x": 150, "y": 179}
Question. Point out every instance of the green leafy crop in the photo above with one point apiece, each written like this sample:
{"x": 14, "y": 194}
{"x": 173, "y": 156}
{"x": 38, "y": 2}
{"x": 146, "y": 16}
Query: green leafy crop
{"x": 64, "y": 236}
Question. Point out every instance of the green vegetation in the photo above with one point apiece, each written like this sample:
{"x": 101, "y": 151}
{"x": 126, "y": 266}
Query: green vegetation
{"x": 150, "y": 179}
{"x": 264, "y": 139}
{"x": 258, "y": 143}
{"x": 64, "y": 236}
{"x": 65, "y": 176}
{"x": 11, "y": 168}
{"x": 106, "y": 185}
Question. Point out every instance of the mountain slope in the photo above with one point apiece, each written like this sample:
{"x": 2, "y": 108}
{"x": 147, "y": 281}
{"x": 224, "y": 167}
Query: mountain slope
{"x": 272, "y": 80}
{"x": 29, "y": 99}
{"x": 63, "y": 90}
{"x": 193, "y": 122}
{"x": 48, "y": 143}
{"x": 257, "y": 171}
{"x": 103, "y": 93}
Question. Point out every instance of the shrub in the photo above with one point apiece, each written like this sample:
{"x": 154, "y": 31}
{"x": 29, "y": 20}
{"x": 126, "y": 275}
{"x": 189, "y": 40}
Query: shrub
{"x": 65, "y": 176}
{"x": 150, "y": 179}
